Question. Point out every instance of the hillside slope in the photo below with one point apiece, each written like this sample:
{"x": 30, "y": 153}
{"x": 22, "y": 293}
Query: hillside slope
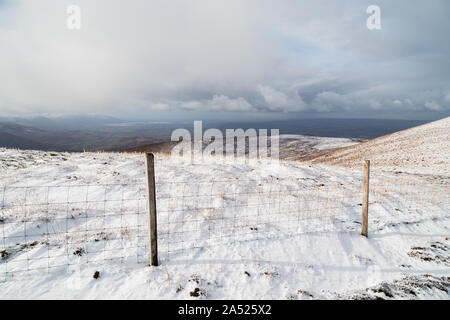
{"x": 249, "y": 231}
{"x": 17, "y": 136}
{"x": 424, "y": 149}
{"x": 291, "y": 147}
{"x": 12, "y": 141}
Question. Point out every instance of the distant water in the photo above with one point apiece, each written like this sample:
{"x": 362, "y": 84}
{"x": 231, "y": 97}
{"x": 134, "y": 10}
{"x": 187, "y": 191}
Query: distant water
{"x": 345, "y": 128}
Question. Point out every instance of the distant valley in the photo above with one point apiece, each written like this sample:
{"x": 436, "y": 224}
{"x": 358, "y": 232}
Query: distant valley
{"x": 95, "y": 133}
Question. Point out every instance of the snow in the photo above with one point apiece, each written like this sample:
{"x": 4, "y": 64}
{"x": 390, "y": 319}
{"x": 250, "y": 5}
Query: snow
{"x": 319, "y": 256}
{"x": 422, "y": 150}
{"x": 291, "y": 146}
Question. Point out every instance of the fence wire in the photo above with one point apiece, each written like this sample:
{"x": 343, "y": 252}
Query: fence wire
{"x": 48, "y": 227}
{"x": 194, "y": 215}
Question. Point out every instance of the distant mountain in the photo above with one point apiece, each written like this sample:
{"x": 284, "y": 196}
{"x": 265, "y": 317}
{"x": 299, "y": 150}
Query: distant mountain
{"x": 73, "y": 138}
{"x": 8, "y": 140}
{"x": 66, "y": 122}
{"x": 14, "y": 135}
{"x": 104, "y": 133}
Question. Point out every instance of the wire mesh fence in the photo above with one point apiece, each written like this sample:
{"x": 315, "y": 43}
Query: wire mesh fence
{"x": 48, "y": 227}
{"x": 194, "y": 215}
{"x": 407, "y": 201}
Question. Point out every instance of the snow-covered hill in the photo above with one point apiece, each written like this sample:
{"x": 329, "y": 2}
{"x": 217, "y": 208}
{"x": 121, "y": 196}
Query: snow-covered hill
{"x": 424, "y": 149}
{"x": 406, "y": 255}
{"x": 291, "y": 146}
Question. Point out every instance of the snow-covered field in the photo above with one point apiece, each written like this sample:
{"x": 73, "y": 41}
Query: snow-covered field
{"x": 301, "y": 223}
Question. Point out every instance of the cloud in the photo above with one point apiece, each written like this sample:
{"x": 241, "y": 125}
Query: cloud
{"x": 218, "y": 102}
{"x": 222, "y": 102}
{"x": 234, "y": 56}
{"x": 447, "y": 97}
{"x": 160, "y": 107}
{"x": 329, "y": 101}
{"x": 279, "y": 101}
{"x": 433, "y": 105}
{"x": 191, "y": 105}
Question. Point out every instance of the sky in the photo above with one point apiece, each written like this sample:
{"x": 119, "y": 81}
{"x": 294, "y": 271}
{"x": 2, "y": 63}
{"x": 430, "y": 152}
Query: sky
{"x": 228, "y": 60}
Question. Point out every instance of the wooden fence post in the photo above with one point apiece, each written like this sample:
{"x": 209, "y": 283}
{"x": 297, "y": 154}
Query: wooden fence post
{"x": 365, "y": 203}
{"x": 151, "y": 207}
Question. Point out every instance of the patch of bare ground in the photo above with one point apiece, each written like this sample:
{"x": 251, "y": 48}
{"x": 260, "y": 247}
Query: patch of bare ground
{"x": 409, "y": 287}
{"x": 436, "y": 252}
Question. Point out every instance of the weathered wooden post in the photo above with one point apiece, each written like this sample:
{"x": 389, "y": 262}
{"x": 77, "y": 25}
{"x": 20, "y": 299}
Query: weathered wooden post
{"x": 151, "y": 207}
{"x": 365, "y": 202}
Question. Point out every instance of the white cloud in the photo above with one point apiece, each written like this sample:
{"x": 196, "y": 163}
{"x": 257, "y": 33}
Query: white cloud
{"x": 447, "y": 97}
{"x": 433, "y": 105}
{"x": 330, "y": 101}
{"x": 160, "y": 107}
{"x": 375, "y": 105}
{"x": 279, "y": 101}
{"x": 191, "y": 105}
{"x": 222, "y": 102}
